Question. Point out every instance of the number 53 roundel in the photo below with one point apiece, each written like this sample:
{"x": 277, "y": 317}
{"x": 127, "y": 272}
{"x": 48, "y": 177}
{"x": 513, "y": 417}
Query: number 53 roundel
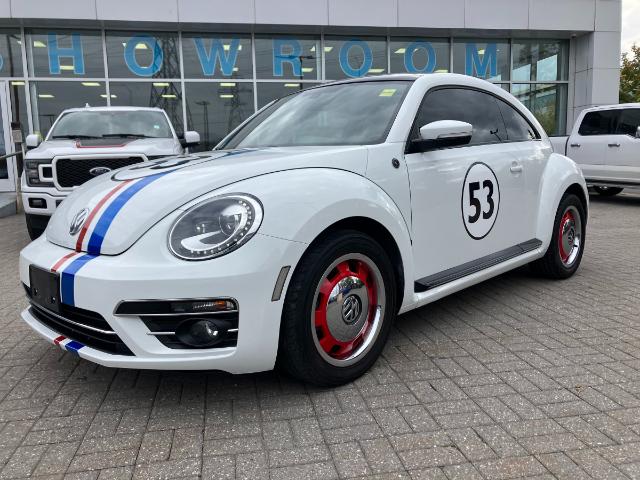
{"x": 480, "y": 200}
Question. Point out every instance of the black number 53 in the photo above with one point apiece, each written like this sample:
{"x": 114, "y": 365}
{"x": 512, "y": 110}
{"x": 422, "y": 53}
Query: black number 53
{"x": 475, "y": 202}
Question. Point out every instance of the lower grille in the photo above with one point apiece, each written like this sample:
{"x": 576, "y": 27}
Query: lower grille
{"x": 85, "y": 327}
{"x": 74, "y": 172}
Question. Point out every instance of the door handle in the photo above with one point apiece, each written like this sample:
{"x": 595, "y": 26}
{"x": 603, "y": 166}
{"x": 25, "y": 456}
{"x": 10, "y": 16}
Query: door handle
{"x": 516, "y": 168}
{"x": 614, "y": 144}
{"x": 575, "y": 145}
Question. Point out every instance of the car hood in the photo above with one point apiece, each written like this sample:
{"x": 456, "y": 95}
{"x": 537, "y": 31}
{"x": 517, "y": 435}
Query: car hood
{"x": 111, "y": 146}
{"x": 109, "y": 213}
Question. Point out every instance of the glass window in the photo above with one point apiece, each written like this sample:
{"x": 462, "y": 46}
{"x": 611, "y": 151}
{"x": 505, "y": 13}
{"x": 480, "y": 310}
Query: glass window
{"x": 269, "y": 91}
{"x": 65, "y": 53}
{"x": 19, "y": 117}
{"x": 10, "y": 53}
{"x": 419, "y": 55}
{"x": 548, "y": 102}
{"x": 628, "y": 121}
{"x": 482, "y": 59}
{"x": 535, "y": 60}
{"x": 212, "y": 56}
{"x": 352, "y": 57}
{"x": 165, "y": 95}
{"x": 213, "y": 109}
{"x": 345, "y": 114}
{"x": 49, "y": 99}
{"x": 288, "y": 57}
{"x": 471, "y": 106}
{"x": 518, "y": 128}
{"x": 142, "y": 54}
{"x": 112, "y": 124}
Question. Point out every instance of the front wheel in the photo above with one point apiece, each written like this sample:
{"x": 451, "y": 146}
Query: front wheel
{"x": 338, "y": 310}
{"x": 564, "y": 254}
{"x": 607, "y": 191}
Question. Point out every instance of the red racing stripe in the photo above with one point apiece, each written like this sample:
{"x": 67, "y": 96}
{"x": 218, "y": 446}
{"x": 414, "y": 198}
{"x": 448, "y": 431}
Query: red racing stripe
{"x": 59, "y": 263}
{"x": 59, "y": 339}
{"x": 94, "y": 212}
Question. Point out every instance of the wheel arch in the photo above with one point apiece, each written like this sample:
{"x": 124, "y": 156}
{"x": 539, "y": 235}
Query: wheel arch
{"x": 380, "y": 234}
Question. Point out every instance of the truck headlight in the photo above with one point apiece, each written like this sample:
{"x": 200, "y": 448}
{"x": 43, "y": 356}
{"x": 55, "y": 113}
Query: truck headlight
{"x": 215, "y": 227}
{"x": 32, "y": 172}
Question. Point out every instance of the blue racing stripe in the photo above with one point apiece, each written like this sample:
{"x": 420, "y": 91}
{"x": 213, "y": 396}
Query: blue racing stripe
{"x": 100, "y": 230}
{"x": 73, "y": 346}
{"x": 68, "y": 276}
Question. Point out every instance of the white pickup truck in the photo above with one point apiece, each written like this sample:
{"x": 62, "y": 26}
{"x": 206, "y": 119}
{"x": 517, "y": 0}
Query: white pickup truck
{"x": 605, "y": 142}
{"x": 86, "y": 142}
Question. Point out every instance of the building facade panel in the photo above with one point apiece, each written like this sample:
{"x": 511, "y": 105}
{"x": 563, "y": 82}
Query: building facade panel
{"x": 138, "y": 10}
{"x": 431, "y": 13}
{"x": 63, "y": 9}
{"x": 219, "y": 11}
{"x": 285, "y": 12}
{"x": 497, "y": 14}
{"x": 608, "y": 14}
{"x": 374, "y": 13}
{"x": 562, "y": 15}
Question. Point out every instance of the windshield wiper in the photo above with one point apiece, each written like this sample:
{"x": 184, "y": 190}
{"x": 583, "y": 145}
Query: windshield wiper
{"x": 82, "y": 137}
{"x": 126, "y": 135}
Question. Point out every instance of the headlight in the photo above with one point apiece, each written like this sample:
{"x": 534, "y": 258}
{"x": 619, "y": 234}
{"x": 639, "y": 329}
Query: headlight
{"x": 215, "y": 227}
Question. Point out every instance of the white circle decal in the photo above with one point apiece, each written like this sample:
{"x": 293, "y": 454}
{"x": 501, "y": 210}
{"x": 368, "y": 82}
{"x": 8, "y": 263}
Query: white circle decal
{"x": 480, "y": 200}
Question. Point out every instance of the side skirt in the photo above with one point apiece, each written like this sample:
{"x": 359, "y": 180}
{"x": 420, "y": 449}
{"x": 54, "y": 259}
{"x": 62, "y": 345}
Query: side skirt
{"x": 474, "y": 266}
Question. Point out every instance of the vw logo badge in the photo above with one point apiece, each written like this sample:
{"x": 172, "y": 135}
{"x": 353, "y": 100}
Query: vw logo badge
{"x": 95, "y": 171}
{"x": 351, "y": 309}
{"x": 78, "y": 221}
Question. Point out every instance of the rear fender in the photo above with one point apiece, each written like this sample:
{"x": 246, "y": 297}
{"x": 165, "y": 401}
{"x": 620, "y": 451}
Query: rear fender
{"x": 560, "y": 173}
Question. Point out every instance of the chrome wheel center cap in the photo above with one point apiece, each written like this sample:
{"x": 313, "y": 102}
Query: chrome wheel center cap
{"x": 347, "y": 308}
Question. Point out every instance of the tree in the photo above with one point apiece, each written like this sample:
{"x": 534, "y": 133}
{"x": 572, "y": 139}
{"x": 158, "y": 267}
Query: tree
{"x": 630, "y": 76}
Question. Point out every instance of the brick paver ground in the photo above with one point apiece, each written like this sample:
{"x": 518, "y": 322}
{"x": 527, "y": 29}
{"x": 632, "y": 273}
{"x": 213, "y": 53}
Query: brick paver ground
{"x": 517, "y": 377}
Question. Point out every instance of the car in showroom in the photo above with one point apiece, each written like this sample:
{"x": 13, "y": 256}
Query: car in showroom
{"x": 299, "y": 239}
{"x": 86, "y": 142}
{"x": 605, "y": 143}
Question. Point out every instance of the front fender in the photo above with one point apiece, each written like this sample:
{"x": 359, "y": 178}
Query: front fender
{"x": 300, "y": 204}
{"x": 559, "y": 174}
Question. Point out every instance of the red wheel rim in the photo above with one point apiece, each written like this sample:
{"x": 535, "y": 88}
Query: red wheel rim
{"x": 347, "y": 307}
{"x": 569, "y": 236}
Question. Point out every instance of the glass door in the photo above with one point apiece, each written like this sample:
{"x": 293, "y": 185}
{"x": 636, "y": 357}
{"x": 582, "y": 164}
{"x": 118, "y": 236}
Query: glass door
{"x": 7, "y": 165}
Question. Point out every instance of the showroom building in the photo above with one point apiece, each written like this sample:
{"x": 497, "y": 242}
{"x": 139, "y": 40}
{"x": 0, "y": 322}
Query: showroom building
{"x": 211, "y": 63}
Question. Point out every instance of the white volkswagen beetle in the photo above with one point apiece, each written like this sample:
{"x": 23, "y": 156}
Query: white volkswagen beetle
{"x": 309, "y": 228}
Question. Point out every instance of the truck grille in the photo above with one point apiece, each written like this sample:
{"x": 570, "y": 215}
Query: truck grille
{"x": 72, "y": 172}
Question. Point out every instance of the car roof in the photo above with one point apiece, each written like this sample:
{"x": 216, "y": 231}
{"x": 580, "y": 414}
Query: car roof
{"x": 616, "y": 106}
{"x": 112, "y": 109}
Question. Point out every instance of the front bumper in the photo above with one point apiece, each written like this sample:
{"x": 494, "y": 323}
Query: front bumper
{"x": 51, "y": 198}
{"x": 147, "y": 271}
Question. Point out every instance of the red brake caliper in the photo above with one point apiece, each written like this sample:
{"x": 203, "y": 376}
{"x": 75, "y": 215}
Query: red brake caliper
{"x": 564, "y": 255}
{"x": 331, "y": 345}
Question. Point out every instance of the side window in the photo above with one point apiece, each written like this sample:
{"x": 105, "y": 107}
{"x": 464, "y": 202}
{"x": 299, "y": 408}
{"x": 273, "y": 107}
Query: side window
{"x": 471, "y": 106}
{"x": 598, "y": 123}
{"x": 518, "y": 129}
{"x": 628, "y": 122}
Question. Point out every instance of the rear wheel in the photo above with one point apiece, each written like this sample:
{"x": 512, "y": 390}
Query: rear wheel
{"x": 338, "y": 310}
{"x": 564, "y": 254}
{"x": 607, "y": 191}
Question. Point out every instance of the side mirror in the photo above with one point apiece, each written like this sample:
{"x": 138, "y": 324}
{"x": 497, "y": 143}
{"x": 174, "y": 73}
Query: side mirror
{"x": 32, "y": 141}
{"x": 442, "y": 134}
{"x": 638, "y": 132}
{"x": 190, "y": 139}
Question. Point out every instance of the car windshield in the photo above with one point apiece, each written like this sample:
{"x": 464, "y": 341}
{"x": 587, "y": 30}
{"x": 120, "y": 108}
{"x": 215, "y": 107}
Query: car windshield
{"x": 344, "y": 114}
{"x": 112, "y": 124}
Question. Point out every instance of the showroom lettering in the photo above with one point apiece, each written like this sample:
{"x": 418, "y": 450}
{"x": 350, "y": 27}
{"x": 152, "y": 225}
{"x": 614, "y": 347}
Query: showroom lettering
{"x": 355, "y": 56}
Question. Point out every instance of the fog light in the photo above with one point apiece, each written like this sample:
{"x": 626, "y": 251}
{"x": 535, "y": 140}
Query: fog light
{"x": 37, "y": 203}
{"x": 201, "y": 333}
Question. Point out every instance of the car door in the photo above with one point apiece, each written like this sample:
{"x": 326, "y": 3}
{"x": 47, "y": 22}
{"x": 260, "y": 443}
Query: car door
{"x": 466, "y": 202}
{"x": 589, "y": 148}
{"x": 623, "y": 157}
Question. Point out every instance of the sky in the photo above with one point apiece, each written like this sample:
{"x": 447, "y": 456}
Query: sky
{"x": 630, "y": 24}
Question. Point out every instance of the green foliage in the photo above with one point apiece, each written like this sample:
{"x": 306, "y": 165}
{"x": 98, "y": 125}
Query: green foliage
{"x": 630, "y": 76}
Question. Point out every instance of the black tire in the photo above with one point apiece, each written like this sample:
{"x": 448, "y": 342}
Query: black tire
{"x": 552, "y": 264}
{"x": 35, "y": 225}
{"x": 298, "y": 353}
{"x": 607, "y": 191}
